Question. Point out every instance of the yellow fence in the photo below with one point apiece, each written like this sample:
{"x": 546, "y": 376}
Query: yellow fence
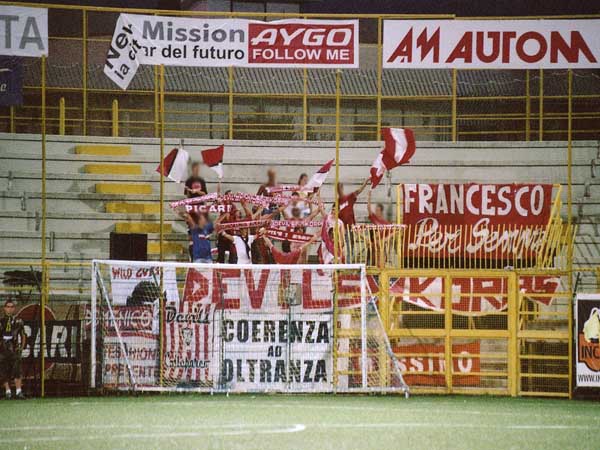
{"x": 508, "y": 332}
{"x": 298, "y": 104}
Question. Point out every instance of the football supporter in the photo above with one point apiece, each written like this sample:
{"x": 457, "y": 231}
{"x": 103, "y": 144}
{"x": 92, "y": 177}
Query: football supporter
{"x": 376, "y": 216}
{"x": 195, "y": 186}
{"x": 224, "y": 245}
{"x": 11, "y": 348}
{"x": 292, "y": 257}
{"x": 264, "y": 189}
{"x": 346, "y": 214}
{"x": 243, "y": 245}
{"x": 200, "y": 229}
{"x": 347, "y": 202}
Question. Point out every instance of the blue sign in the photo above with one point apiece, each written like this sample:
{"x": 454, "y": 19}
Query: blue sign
{"x": 11, "y": 81}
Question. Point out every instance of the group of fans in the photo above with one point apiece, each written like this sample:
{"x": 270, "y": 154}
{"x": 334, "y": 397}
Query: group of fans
{"x": 242, "y": 232}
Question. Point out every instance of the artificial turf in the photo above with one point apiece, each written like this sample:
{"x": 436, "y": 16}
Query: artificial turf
{"x": 281, "y": 422}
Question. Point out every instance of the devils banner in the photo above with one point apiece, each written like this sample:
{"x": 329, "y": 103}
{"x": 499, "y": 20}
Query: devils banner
{"x": 496, "y": 221}
{"x": 235, "y": 329}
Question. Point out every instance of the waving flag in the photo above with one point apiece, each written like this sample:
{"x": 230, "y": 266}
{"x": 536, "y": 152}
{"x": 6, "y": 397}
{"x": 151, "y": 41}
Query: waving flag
{"x": 175, "y": 165}
{"x": 398, "y": 150}
{"x": 318, "y": 178}
{"x": 213, "y": 158}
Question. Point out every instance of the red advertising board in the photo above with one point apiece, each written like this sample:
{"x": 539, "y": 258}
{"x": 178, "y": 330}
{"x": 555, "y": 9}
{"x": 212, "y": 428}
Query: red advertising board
{"x": 304, "y": 42}
{"x": 429, "y": 370}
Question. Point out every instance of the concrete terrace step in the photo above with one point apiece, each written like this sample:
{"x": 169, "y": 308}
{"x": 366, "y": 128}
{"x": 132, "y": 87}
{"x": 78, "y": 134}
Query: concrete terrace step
{"x": 113, "y": 169}
{"x": 142, "y": 227}
{"x": 288, "y": 173}
{"x": 30, "y": 143}
{"x": 358, "y": 156}
{"x": 107, "y": 150}
{"x": 119, "y": 188}
{"x": 132, "y": 208}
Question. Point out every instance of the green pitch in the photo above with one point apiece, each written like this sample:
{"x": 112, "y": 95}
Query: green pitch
{"x": 299, "y": 422}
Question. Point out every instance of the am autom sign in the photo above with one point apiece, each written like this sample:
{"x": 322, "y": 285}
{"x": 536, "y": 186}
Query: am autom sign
{"x": 175, "y": 41}
{"x": 23, "y": 31}
{"x": 487, "y": 44}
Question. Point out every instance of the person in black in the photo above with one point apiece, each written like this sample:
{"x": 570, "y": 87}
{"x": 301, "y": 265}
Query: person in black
{"x": 195, "y": 186}
{"x": 11, "y": 347}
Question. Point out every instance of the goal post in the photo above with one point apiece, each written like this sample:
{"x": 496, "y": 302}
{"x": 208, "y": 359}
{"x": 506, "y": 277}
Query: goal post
{"x": 164, "y": 326}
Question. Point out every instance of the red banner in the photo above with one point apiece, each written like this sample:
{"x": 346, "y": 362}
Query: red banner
{"x": 425, "y": 370}
{"x": 285, "y": 235}
{"x": 314, "y": 43}
{"x": 470, "y": 295}
{"x": 499, "y": 221}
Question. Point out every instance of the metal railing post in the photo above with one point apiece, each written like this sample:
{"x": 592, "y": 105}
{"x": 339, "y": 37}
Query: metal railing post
{"x": 379, "y": 74}
{"x": 12, "y": 119}
{"x": 230, "y": 89}
{"x": 84, "y": 80}
{"x": 115, "y": 118}
{"x": 61, "y": 116}
{"x": 44, "y": 292}
{"x": 527, "y": 107}
{"x": 570, "y": 217}
{"x": 336, "y": 236}
{"x": 454, "y": 105}
{"x": 541, "y": 107}
{"x": 448, "y": 332}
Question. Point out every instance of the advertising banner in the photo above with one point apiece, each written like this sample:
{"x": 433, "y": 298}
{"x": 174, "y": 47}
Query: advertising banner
{"x": 136, "y": 286}
{"x": 587, "y": 340}
{"x": 425, "y": 370}
{"x": 244, "y": 329}
{"x": 470, "y": 295}
{"x": 276, "y": 329}
{"x": 180, "y": 41}
{"x": 11, "y": 81}
{"x": 23, "y": 31}
{"x": 478, "y": 220}
{"x": 486, "y": 44}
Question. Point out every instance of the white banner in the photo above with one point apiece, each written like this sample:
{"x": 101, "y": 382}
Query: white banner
{"x": 138, "y": 286}
{"x": 587, "y": 339}
{"x": 180, "y": 41}
{"x": 23, "y": 31}
{"x": 487, "y": 44}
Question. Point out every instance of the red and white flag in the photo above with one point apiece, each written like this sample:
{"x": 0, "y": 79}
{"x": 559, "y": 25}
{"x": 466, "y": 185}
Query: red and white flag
{"x": 399, "y": 148}
{"x": 318, "y": 178}
{"x": 175, "y": 165}
{"x": 213, "y": 158}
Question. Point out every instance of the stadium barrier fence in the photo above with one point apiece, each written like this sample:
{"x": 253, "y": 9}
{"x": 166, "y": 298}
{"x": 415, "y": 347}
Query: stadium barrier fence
{"x": 508, "y": 332}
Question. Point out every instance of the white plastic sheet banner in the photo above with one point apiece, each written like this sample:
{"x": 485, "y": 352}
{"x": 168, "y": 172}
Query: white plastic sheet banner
{"x": 487, "y": 44}
{"x": 23, "y": 31}
{"x": 179, "y": 41}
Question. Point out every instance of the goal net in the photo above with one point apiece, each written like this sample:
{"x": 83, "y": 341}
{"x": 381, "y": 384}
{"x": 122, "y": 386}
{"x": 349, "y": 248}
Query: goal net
{"x": 237, "y": 328}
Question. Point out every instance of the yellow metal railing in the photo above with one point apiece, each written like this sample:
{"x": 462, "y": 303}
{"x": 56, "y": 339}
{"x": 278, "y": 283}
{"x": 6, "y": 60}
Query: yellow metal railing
{"x": 302, "y": 112}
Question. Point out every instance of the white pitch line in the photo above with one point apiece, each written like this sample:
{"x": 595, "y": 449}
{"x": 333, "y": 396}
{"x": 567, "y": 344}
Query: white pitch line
{"x": 145, "y": 436}
{"x": 454, "y": 425}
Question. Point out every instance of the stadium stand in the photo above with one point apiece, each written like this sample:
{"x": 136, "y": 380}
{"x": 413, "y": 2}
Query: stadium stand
{"x": 98, "y": 185}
